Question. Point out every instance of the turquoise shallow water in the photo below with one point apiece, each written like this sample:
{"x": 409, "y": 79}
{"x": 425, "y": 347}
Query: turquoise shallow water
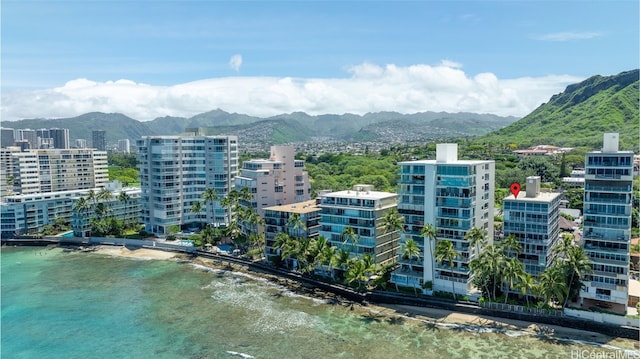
{"x": 82, "y": 305}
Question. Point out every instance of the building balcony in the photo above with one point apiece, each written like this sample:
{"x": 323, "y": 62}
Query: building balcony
{"x": 452, "y": 279}
{"x": 603, "y": 285}
{"x": 606, "y": 250}
{"x": 613, "y": 189}
{"x": 603, "y": 297}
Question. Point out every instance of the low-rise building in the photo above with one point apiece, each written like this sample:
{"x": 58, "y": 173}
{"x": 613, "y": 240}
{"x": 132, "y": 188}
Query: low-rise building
{"x": 30, "y": 213}
{"x": 277, "y": 220}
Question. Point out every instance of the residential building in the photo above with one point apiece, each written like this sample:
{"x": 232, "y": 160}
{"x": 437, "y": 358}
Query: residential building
{"x": 453, "y": 196}
{"x": 176, "y": 170}
{"x": 80, "y": 143}
{"x": 26, "y": 135}
{"x": 361, "y": 209}
{"x": 7, "y": 137}
{"x": 276, "y": 220}
{"x": 125, "y": 208}
{"x": 575, "y": 179}
{"x": 276, "y": 181}
{"x": 29, "y": 213}
{"x": 99, "y": 140}
{"x": 54, "y": 170}
{"x": 7, "y": 177}
{"x": 533, "y": 218}
{"x": 60, "y": 137}
{"x": 123, "y": 146}
{"x": 606, "y": 238}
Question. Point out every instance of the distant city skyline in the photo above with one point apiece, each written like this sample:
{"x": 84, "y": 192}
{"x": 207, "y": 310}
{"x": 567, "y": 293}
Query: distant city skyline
{"x": 149, "y": 59}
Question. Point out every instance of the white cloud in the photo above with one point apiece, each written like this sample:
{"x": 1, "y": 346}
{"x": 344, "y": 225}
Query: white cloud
{"x": 568, "y": 36}
{"x": 369, "y": 88}
{"x": 235, "y": 62}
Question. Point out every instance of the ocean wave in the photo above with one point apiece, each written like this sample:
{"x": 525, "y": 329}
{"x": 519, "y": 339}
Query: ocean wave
{"x": 243, "y": 355}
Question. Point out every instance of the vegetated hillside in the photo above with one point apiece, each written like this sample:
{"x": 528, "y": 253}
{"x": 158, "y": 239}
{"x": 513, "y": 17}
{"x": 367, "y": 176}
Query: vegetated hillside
{"x": 265, "y": 131}
{"x": 432, "y": 126}
{"x": 116, "y": 125}
{"x": 388, "y": 127}
{"x": 580, "y": 115}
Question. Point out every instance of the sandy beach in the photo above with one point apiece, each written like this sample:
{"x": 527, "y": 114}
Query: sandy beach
{"x": 430, "y": 316}
{"x": 138, "y": 253}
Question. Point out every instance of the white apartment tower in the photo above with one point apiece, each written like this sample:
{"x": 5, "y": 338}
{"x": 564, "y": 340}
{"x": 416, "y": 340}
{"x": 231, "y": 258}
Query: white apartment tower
{"x": 124, "y": 146}
{"x": 53, "y": 170}
{"x": 453, "y": 196}
{"x": 276, "y": 181}
{"x": 607, "y": 224}
{"x": 533, "y": 218}
{"x": 176, "y": 170}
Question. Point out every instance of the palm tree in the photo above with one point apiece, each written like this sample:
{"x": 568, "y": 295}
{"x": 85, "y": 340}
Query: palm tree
{"x": 341, "y": 258}
{"x": 124, "y": 197}
{"x": 350, "y": 234}
{"x": 445, "y": 252}
{"x": 553, "y": 285}
{"x": 511, "y": 273}
{"x": 409, "y": 250}
{"x": 196, "y": 208}
{"x": 526, "y": 285}
{"x": 429, "y": 233}
{"x": 91, "y": 197}
{"x": 477, "y": 238}
{"x": 392, "y": 221}
{"x": 511, "y": 246}
{"x": 578, "y": 263}
{"x": 281, "y": 240}
{"x": 104, "y": 195}
{"x": 296, "y": 225}
{"x": 208, "y": 197}
{"x": 82, "y": 206}
{"x": 564, "y": 245}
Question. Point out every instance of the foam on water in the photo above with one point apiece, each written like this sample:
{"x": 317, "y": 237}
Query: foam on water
{"x": 243, "y": 355}
{"x": 268, "y": 315}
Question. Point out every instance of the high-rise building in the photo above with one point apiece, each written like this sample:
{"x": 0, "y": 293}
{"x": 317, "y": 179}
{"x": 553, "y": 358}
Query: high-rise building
{"x": 7, "y": 137}
{"x": 361, "y": 209}
{"x": 533, "y": 218}
{"x": 606, "y": 230}
{"x": 123, "y": 146}
{"x": 453, "y": 196}
{"x": 276, "y": 181}
{"x": 60, "y": 137}
{"x": 99, "y": 140}
{"x": 81, "y": 143}
{"x": 27, "y": 135}
{"x": 7, "y": 177}
{"x": 52, "y": 170}
{"x": 176, "y": 170}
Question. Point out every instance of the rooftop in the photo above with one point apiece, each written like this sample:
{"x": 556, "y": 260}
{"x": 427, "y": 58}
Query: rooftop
{"x": 299, "y": 207}
{"x": 362, "y": 194}
{"x": 541, "y": 197}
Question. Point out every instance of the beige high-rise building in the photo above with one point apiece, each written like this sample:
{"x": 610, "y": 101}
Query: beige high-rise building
{"x": 276, "y": 181}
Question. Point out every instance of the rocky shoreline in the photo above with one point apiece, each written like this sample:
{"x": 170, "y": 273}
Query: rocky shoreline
{"x": 421, "y": 315}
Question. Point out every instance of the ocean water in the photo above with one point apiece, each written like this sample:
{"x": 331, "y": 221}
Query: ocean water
{"x": 58, "y": 304}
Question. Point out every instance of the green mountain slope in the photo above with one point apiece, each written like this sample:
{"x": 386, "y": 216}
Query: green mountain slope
{"x": 580, "y": 115}
{"x": 116, "y": 125}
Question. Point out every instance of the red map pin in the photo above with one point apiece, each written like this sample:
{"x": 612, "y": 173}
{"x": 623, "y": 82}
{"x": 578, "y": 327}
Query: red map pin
{"x": 515, "y": 189}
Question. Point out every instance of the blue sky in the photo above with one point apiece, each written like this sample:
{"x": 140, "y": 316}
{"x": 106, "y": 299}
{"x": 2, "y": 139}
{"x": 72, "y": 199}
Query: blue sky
{"x": 61, "y": 53}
